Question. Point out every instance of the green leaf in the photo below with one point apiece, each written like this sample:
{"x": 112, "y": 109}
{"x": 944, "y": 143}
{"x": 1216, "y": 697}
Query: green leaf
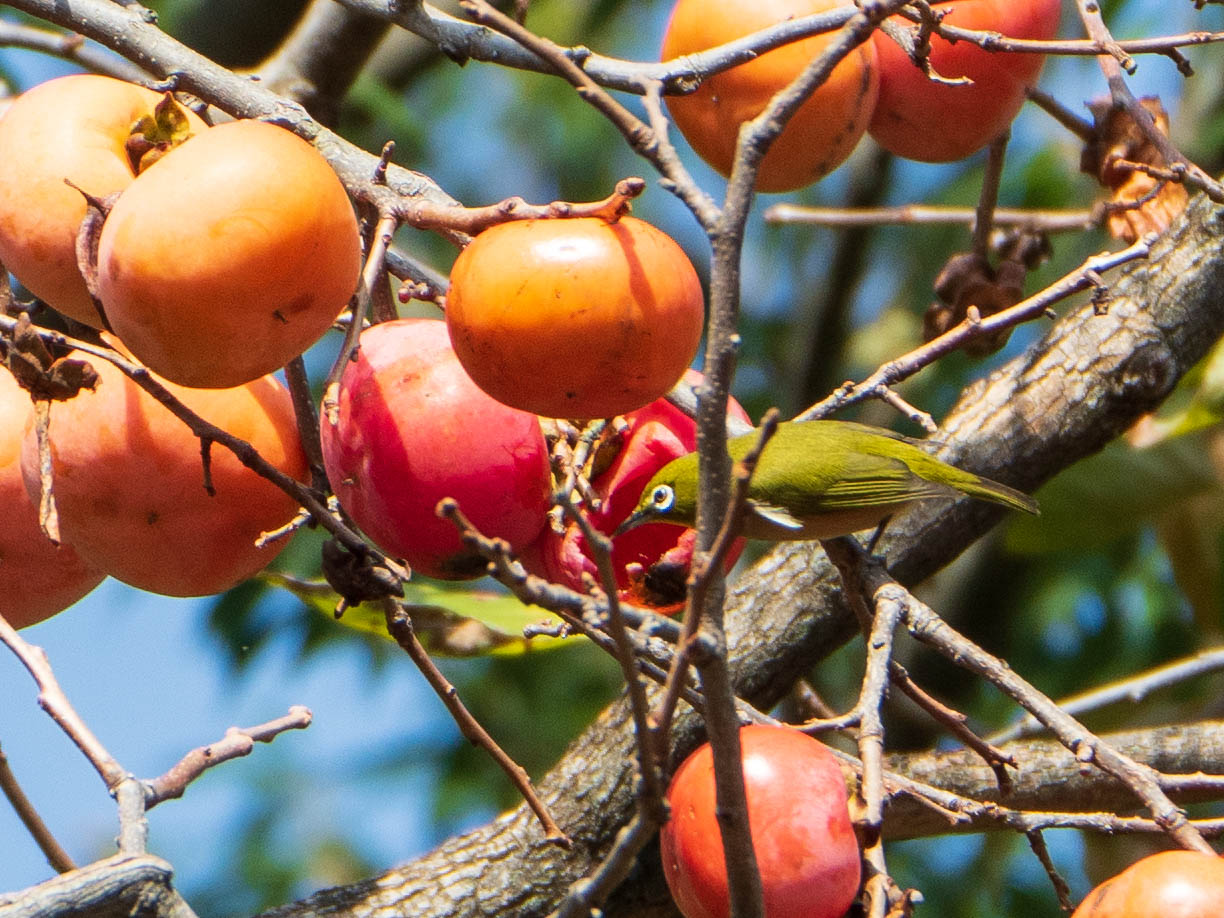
{"x": 449, "y": 622}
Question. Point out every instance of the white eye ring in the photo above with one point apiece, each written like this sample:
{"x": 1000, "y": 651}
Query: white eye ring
{"x": 662, "y": 498}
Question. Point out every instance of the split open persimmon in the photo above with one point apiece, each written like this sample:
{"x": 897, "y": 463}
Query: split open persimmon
{"x": 72, "y": 128}
{"x": 229, "y": 256}
{"x": 130, "y": 487}
{"x": 923, "y": 119}
{"x": 575, "y": 317}
{"x": 37, "y": 577}
{"x": 818, "y": 137}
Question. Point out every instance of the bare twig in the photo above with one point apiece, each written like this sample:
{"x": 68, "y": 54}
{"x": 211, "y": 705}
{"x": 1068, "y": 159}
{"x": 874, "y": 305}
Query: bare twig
{"x": 51, "y": 698}
{"x": 650, "y": 751}
{"x": 237, "y": 742}
{"x": 372, "y": 275}
{"x": 1046, "y": 221}
{"x": 928, "y": 628}
{"x": 1085, "y": 277}
{"x": 399, "y": 625}
{"x": 988, "y": 197}
{"x": 56, "y": 856}
{"x": 1132, "y": 689}
{"x": 1114, "y": 60}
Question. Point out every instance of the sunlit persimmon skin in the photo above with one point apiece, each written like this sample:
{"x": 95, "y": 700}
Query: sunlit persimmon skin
{"x": 73, "y": 128}
{"x": 801, "y": 832}
{"x": 229, "y": 256}
{"x": 933, "y": 122}
{"x": 818, "y": 137}
{"x": 575, "y": 317}
{"x": 413, "y": 429}
{"x": 129, "y": 483}
{"x": 1170, "y": 884}
{"x": 37, "y": 578}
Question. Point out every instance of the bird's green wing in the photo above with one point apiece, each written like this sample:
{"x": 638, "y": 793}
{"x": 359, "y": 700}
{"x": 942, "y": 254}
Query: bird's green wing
{"x": 864, "y": 480}
{"x": 841, "y": 470}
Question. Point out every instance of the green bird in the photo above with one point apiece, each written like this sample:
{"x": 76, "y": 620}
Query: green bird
{"x": 820, "y": 479}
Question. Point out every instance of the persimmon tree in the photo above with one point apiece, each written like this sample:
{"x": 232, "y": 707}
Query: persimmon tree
{"x": 1068, "y": 343}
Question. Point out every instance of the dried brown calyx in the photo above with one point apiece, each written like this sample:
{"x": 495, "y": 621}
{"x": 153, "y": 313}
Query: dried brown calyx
{"x": 1147, "y": 192}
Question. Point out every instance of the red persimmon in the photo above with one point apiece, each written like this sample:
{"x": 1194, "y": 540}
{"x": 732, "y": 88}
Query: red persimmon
{"x": 919, "y": 118}
{"x": 413, "y": 429}
{"x": 805, "y": 845}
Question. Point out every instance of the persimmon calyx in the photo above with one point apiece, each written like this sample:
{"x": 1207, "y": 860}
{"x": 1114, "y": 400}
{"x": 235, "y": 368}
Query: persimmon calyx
{"x": 39, "y": 372}
{"x": 156, "y": 134}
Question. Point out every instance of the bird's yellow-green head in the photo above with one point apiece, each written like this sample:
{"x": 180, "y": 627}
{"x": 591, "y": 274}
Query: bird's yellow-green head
{"x": 669, "y": 497}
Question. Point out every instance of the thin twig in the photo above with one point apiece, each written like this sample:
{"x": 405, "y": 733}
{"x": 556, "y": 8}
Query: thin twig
{"x": 1046, "y": 221}
{"x": 51, "y": 698}
{"x": 237, "y": 742}
{"x": 699, "y": 577}
{"x": 372, "y": 275}
{"x": 650, "y": 751}
{"x": 1085, "y": 277}
{"x": 988, "y": 196}
{"x": 647, "y": 142}
{"x": 1133, "y": 689}
{"x": 1114, "y": 61}
{"x": 931, "y": 630}
{"x": 399, "y": 625}
{"x": 56, "y": 856}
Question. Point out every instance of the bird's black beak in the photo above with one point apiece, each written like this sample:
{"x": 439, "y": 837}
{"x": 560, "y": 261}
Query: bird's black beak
{"x": 636, "y": 518}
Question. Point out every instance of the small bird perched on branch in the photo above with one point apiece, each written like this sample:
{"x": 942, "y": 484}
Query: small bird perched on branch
{"x": 821, "y": 479}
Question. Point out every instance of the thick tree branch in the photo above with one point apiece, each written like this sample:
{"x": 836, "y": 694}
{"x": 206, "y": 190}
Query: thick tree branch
{"x": 111, "y": 888}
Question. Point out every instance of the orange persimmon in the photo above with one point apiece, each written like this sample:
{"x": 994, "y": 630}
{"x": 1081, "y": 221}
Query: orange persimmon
{"x": 818, "y": 137}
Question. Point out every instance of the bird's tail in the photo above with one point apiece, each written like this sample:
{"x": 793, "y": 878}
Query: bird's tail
{"x": 993, "y": 491}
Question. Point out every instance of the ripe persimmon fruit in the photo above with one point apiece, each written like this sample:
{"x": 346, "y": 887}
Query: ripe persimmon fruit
{"x": 73, "y": 128}
{"x": 412, "y": 429}
{"x": 37, "y": 577}
{"x": 229, "y": 256}
{"x": 920, "y": 118}
{"x": 818, "y": 137}
{"x": 129, "y": 482}
{"x": 575, "y": 317}
{"x": 805, "y": 846}
{"x": 1171, "y": 884}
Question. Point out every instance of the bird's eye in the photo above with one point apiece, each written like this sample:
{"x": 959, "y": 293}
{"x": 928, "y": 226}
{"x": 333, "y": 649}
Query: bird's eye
{"x": 663, "y": 498}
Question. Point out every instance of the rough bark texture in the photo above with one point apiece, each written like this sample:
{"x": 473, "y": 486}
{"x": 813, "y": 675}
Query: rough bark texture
{"x": 117, "y": 887}
{"x": 1062, "y": 400}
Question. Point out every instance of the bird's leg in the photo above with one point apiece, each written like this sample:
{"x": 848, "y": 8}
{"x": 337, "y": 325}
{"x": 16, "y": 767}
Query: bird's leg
{"x": 875, "y": 538}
